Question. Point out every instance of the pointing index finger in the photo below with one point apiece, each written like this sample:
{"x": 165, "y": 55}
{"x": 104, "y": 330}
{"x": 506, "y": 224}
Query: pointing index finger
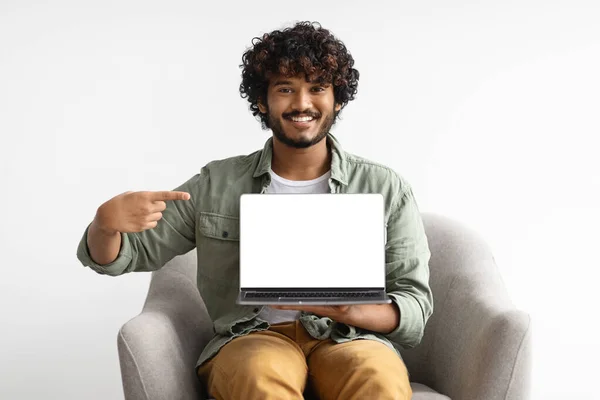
{"x": 169, "y": 195}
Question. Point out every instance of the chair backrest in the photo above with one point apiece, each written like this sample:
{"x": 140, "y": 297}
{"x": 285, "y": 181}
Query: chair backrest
{"x": 461, "y": 267}
{"x": 187, "y": 264}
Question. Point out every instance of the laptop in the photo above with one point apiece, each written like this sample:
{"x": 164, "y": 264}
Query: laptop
{"x": 316, "y": 249}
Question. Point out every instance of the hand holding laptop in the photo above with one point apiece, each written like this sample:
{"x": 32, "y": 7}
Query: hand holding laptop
{"x": 383, "y": 318}
{"x": 337, "y": 313}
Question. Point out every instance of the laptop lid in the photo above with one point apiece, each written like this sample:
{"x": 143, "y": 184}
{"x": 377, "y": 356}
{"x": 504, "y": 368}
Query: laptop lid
{"x": 312, "y": 241}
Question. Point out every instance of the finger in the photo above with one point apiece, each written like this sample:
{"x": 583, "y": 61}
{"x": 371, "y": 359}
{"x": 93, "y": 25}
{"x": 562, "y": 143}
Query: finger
{"x": 315, "y": 310}
{"x": 169, "y": 195}
{"x": 288, "y": 308}
{"x": 150, "y": 225}
{"x": 158, "y": 206}
{"x": 154, "y": 217}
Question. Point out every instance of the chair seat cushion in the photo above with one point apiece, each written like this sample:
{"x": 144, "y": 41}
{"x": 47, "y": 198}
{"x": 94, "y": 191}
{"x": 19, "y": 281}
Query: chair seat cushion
{"x": 422, "y": 392}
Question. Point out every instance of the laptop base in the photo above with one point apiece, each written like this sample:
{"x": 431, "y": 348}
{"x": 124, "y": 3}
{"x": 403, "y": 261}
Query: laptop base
{"x": 312, "y": 296}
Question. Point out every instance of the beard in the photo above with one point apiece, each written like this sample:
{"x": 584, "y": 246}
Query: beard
{"x": 301, "y": 143}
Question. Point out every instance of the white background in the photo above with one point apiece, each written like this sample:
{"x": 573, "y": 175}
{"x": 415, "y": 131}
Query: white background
{"x": 489, "y": 109}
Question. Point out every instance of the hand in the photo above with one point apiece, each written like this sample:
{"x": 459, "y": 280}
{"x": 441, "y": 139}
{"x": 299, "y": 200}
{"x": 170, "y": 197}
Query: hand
{"x": 135, "y": 211}
{"x": 337, "y": 313}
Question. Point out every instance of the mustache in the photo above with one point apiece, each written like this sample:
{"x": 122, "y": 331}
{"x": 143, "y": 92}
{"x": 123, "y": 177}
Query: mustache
{"x": 298, "y": 113}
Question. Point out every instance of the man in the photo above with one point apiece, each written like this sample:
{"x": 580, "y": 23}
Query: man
{"x": 297, "y": 81}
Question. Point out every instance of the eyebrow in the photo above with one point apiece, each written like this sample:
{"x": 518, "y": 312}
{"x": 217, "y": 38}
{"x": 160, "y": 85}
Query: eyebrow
{"x": 284, "y": 82}
{"x": 281, "y": 83}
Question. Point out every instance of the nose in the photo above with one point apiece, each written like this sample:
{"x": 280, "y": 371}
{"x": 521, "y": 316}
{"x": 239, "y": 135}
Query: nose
{"x": 302, "y": 101}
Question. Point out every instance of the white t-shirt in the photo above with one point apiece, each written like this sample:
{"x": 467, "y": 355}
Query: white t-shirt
{"x": 282, "y": 185}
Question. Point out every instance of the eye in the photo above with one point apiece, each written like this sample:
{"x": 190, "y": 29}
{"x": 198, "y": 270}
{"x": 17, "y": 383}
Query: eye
{"x": 284, "y": 90}
{"x": 318, "y": 88}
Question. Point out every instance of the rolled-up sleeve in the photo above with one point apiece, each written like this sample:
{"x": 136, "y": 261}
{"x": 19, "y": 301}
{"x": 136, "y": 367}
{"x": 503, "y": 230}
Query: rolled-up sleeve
{"x": 151, "y": 249}
{"x": 407, "y": 270}
{"x": 115, "y": 268}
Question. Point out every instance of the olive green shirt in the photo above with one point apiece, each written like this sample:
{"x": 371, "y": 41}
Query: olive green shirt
{"x": 209, "y": 222}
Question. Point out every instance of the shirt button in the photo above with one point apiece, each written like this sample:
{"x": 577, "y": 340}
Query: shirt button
{"x": 256, "y": 310}
{"x": 225, "y": 234}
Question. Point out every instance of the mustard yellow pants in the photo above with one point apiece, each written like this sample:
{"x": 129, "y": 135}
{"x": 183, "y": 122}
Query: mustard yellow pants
{"x": 285, "y": 362}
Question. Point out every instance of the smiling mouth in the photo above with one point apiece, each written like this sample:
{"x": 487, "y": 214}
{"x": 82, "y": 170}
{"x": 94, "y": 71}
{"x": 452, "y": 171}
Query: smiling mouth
{"x": 301, "y": 122}
{"x": 301, "y": 119}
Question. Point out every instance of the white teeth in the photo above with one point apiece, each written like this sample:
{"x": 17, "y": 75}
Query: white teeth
{"x": 302, "y": 119}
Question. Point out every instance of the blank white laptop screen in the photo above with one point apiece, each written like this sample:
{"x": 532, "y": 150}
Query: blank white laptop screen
{"x": 312, "y": 241}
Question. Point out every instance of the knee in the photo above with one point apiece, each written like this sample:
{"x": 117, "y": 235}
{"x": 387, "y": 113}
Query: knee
{"x": 373, "y": 380}
{"x": 260, "y": 370}
{"x": 382, "y": 385}
{"x": 266, "y": 377}
{"x": 360, "y": 370}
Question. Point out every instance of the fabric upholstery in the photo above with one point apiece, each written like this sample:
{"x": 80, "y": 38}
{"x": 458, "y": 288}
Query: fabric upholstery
{"x": 477, "y": 345}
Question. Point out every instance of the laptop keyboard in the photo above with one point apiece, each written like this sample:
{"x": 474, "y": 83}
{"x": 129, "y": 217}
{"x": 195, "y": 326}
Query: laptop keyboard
{"x": 314, "y": 294}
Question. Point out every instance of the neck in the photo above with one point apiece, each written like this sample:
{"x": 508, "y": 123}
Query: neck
{"x": 300, "y": 164}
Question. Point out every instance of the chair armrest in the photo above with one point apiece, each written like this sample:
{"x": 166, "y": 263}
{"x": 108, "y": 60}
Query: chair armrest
{"x": 484, "y": 354}
{"x": 476, "y": 345}
{"x": 159, "y": 348}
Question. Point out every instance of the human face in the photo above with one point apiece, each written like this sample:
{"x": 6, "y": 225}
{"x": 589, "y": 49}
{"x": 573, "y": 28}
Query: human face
{"x": 300, "y": 113}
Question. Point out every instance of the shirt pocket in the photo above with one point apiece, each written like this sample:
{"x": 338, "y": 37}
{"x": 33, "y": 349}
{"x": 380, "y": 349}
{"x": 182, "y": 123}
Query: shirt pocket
{"x": 219, "y": 226}
{"x": 218, "y": 243}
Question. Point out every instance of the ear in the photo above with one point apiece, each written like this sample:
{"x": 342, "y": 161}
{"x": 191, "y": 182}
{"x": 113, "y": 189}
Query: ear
{"x": 261, "y": 107}
{"x": 338, "y": 107}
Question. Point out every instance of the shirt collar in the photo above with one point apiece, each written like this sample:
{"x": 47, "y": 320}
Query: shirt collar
{"x": 339, "y": 170}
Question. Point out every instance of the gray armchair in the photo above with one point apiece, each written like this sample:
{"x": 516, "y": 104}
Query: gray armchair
{"x": 477, "y": 345}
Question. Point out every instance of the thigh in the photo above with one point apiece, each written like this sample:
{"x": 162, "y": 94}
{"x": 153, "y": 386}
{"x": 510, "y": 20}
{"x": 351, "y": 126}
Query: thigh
{"x": 359, "y": 369}
{"x": 261, "y": 365}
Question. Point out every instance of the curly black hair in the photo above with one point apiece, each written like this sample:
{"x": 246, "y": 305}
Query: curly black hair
{"x": 304, "y": 48}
